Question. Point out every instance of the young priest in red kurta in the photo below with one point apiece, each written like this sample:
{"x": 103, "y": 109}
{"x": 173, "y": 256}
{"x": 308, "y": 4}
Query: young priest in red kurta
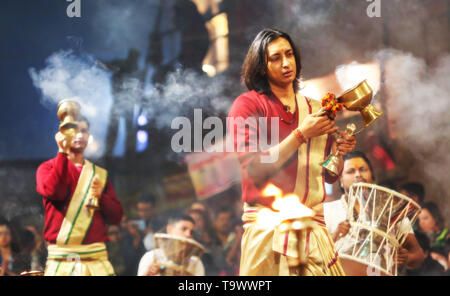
{"x": 74, "y": 232}
{"x": 271, "y": 72}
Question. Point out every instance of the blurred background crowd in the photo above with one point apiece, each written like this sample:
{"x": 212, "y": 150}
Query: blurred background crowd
{"x": 218, "y": 228}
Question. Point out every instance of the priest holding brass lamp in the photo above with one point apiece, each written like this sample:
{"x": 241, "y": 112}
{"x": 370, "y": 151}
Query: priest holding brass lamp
{"x": 69, "y": 113}
{"x": 274, "y": 243}
{"x": 79, "y": 201}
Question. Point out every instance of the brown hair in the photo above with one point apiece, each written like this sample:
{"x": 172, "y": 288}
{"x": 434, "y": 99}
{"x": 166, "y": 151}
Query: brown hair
{"x": 434, "y": 211}
{"x": 414, "y": 188}
{"x": 254, "y": 67}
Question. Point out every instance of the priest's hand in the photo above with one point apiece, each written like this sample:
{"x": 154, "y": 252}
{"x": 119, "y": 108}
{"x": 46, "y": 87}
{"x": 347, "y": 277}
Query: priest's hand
{"x": 314, "y": 125}
{"x": 63, "y": 142}
{"x": 96, "y": 187}
{"x": 346, "y": 144}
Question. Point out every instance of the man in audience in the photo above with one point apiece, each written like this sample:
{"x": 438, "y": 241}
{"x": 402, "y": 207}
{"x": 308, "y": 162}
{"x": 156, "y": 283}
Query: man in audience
{"x": 157, "y": 262}
{"x": 148, "y": 222}
{"x": 357, "y": 168}
{"x": 115, "y": 249}
{"x": 228, "y": 241}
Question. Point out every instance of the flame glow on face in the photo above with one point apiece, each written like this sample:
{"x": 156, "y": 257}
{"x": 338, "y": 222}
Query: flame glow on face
{"x": 288, "y": 207}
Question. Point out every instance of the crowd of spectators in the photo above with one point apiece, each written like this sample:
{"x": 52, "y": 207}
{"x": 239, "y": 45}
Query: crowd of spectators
{"x": 218, "y": 229}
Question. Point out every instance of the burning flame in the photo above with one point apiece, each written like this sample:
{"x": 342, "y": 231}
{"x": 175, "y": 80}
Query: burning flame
{"x": 289, "y": 207}
{"x": 272, "y": 190}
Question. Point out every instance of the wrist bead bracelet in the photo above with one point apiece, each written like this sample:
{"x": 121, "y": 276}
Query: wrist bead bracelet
{"x": 299, "y": 136}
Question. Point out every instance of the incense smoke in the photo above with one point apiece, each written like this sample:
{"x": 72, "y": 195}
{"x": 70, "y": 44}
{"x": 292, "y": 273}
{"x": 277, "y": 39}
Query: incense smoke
{"x": 80, "y": 78}
{"x": 185, "y": 90}
{"x": 85, "y": 80}
{"x": 418, "y": 110}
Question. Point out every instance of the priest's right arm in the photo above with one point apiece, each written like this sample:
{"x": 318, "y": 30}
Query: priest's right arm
{"x": 52, "y": 180}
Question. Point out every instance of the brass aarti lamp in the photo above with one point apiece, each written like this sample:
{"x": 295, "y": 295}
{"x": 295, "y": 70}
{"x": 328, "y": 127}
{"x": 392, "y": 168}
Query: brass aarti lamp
{"x": 68, "y": 113}
{"x": 357, "y": 98}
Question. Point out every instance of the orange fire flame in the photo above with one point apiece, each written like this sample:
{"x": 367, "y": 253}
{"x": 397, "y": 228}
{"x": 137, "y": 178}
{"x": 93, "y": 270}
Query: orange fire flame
{"x": 289, "y": 207}
{"x": 272, "y": 190}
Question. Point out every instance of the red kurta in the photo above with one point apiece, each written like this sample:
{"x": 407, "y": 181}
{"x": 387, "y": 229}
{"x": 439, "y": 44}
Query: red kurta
{"x": 56, "y": 181}
{"x": 254, "y": 104}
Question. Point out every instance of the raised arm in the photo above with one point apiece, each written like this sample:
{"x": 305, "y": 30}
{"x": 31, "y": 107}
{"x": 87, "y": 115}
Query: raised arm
{"x": 51, "y": 178}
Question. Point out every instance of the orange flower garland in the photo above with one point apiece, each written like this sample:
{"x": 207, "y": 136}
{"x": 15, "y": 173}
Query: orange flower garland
{"x": 331, "y": 105}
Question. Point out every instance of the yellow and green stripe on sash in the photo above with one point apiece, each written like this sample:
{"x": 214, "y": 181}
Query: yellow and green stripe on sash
{"x": 78, "y": 218}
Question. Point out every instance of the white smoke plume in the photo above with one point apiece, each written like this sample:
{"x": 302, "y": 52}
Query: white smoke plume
{"x": 305, "y": 15}
{"x": 185, "y": 90}
{"x": 419, "y": 100}
{"x": 67, "y": 75}
{"x": 119, "y": 24}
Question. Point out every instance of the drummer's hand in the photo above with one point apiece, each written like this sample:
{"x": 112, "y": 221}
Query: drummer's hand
{"x": 314, "y": 125}
{"x": 96, "y": 187}
{"x": 62, "y": 141}
{"x": 345, "y": 144}
{"x": 402, "y": 256}
{"x": 341, "y": 230}
{"x": 154, "y": 269}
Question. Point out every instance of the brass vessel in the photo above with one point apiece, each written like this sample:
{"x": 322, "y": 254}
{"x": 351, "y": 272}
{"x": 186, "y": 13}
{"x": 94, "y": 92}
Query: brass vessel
{"x": 332, "y": 161}
{"x": 68, "y": 113}
{"x": 359, "y": 98}
{"x": 93, "y": 203}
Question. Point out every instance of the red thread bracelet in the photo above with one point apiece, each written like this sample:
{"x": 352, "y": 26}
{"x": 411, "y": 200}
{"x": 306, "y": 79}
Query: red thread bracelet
{"x": 299, "y": 136}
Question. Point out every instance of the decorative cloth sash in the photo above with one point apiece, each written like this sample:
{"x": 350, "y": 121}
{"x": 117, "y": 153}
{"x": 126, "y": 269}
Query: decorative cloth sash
{"x": 95, "y": 251}
{"x": 310, "y": 183}
{"x": 78, "y": 218}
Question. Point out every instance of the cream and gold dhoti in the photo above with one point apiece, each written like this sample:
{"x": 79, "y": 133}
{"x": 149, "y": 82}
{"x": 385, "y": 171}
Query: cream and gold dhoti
{"x": 78, "y": 260}
{"x": 266, "y": 250}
